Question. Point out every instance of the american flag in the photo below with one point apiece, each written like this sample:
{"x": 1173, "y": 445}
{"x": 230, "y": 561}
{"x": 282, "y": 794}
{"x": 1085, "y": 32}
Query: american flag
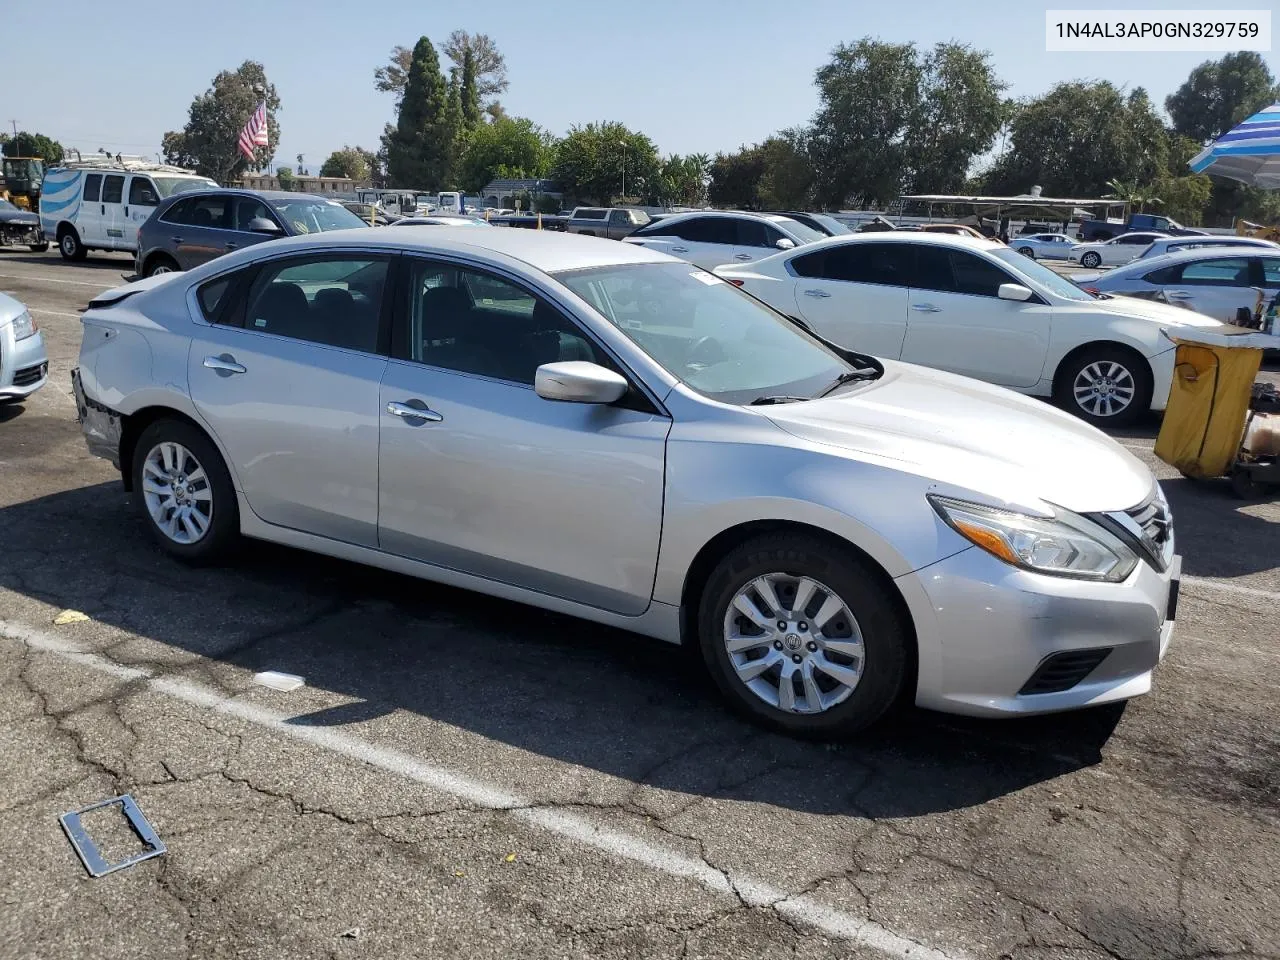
{"x": 254, "y": 133}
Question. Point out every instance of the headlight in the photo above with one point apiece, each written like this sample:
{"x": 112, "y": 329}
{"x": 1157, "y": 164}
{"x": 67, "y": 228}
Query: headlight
{"x": 24, "y": 326}
{"x": 1064, "y": 545}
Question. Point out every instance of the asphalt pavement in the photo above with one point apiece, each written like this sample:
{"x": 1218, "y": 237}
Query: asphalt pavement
{"x": 465, "y": 777}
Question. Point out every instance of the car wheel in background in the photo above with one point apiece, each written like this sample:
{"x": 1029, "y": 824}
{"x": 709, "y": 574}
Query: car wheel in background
{"x": 1105, "y": 385}
{"x": 40, "y": 247}
{"x": 69, "y": 244}
{"x": 1091, "y": 259}
{"x": 159, "y": 264}
{"x": 1027, "y": 252}
{"x": 184, "y": 492}
{"x": 801, "y": 636}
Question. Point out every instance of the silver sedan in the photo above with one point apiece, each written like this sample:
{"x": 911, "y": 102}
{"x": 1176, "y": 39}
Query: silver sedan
{"x": 1044, "y": 246}
{"x": 24, "y": 364}
{"x": 598, "y": 429}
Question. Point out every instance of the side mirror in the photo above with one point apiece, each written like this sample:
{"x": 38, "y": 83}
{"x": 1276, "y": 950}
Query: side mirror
{"x": 263, "y": 225}
{"x": 578, "y": 381}
{"x": 783, "y": 243}
{"x": 1014, "y": 291}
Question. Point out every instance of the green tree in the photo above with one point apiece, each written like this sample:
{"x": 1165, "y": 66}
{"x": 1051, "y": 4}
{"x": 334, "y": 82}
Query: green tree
{"x": 423, "y": 147}
{"x": 868, "y": 94}
{"x": 735, "y": 177}
{"x": 470, "y": 94}
{"x": 285, "y": 176}
{"x": 595, "y": 162}
{"x": 353, "y": 162}
{"x": 1219, "y": 94}
{"x": 958, "y": 113}
{"x": 209, "y": 141}
{"x": 512, "y": 147}
{"x": 681, "y": 181}
{"x": 487, "y": 63}
{"x": 788, "y": 177}
{"x": 26, "y": 144}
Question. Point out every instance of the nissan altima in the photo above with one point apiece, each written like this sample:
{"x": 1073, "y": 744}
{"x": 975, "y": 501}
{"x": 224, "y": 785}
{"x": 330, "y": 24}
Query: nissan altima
{"x": 599, "y": 429}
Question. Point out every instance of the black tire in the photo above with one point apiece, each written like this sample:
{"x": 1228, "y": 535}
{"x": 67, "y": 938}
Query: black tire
{"x": 160, "y": 263}
{"x": 223, "y": 532}
{"x": 1091, "y": 259}
{"x": 1139, "y": 371}
{"x": 70, "y": 245}
{"x": 885, "y": 637}
{"x": 1027, "y": 252}
{"x": 1244, "y": 486}
{"x": 40, "y": 247}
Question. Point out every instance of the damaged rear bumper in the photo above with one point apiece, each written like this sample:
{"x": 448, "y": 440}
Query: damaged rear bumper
{"x": 101, "y": 425}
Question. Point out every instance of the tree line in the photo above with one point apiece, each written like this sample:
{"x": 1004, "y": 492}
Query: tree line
{"x": 891, "y": 119}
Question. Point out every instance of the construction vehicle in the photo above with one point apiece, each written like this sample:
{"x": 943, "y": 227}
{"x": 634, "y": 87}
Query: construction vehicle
{"x": 23, "y": 179}
{"x": 1246, "y": 228}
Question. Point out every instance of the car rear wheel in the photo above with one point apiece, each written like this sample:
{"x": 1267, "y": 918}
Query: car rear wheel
{"x": 69, "y": 245}
{"x": 184, "y": 492}
{"x": 1091, "y": 259}
{"x": 1105, "y": 385}
{"x": 801, "y": 637}
{"x": 161, "y": 264}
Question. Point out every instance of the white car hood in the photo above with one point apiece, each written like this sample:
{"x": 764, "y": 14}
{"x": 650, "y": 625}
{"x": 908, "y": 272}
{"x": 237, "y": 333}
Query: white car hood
{"x": 970, "y": 437}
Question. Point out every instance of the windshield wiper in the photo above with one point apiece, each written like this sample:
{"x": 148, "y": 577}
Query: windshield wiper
{"x": 769, "y": 401}
{"x": 848, "y": 377}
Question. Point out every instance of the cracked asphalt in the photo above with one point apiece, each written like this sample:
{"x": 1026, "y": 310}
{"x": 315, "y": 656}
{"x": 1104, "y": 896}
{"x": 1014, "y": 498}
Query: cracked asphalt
{"x": 466, "y": 777}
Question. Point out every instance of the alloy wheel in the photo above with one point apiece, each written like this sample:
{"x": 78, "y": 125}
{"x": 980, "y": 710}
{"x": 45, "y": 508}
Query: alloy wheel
{"x": 1104, "y": 388}
{"x": 794, "y": 643}
{"x": 177, "y": 493}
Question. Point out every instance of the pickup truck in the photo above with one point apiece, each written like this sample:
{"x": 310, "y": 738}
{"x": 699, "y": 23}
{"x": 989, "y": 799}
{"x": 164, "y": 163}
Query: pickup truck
{"x": 1097, "y": 230}
{"x": 612, "y": 222}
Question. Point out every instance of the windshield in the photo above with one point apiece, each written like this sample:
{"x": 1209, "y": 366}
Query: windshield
{"x": 306, "y": 215}
{"x": 706, "y": 332}
{"x": 801, "y": 231}
{"x": 168, "y": 186}
{"x": 1034, "y": 270}
{"x": 831, "y": 223}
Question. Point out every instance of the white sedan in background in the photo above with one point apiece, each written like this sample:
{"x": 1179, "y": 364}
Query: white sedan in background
{"x": 980, "y": 309}
{"x": 1218, "y": 282}
{"x": 711, "y": 238}
{"x": 1110, "y": 253}
{"x": 1182, "y": 244}
{"x": 1044, "y": 246}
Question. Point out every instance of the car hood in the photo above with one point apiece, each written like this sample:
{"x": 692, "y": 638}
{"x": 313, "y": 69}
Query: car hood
{"x": 972, "y": 438}
{"x": 19, "y": 216}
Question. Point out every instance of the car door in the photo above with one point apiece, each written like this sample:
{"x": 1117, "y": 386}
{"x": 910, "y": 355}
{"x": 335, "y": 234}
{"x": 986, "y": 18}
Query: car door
{"x": 855, "y": 294}
{"x": 756, "y": 239}
{"x": 707, "y": 241}
{"x": 1125, "y": 248}
{"x": 619, "y": 224}
{"x": 244, "y": 210}
{"x": 140, "y": 203}
{"x": 956, "y": 321}
{"x": 1218, "y": 287}
{"x": 112, "y": 207}
{"x": 203, "y": 233}
{"x": 493, "y": 480}
{"x": 286, "y": 374}
{"x": 91, "y": 220}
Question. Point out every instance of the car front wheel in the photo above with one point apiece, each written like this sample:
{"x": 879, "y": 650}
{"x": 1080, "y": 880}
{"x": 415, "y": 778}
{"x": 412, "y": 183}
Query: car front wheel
{"x": 801, "y": 637}
{"x": 184, "y": 492}
{"x": 161, "y": 264}
{"x": 1091, "y": 259}
{"x": 1027, "y": 252}
{"x": 1104, "y": 385}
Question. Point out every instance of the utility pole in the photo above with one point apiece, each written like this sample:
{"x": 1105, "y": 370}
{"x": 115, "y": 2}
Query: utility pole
{"x": 623, "y": 144}
{"x": 15, "y": 127}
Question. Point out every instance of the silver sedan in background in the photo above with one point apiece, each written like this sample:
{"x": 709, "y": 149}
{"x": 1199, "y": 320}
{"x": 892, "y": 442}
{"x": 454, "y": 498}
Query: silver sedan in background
{"x": 1218, "y": 282}
{"x": 1044, "y": 246}
{"x": 24, "y": 364}
{"x": 598, "y": 429}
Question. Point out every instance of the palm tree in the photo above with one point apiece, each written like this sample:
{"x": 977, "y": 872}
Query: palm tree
{"x": 1131, "y": 194}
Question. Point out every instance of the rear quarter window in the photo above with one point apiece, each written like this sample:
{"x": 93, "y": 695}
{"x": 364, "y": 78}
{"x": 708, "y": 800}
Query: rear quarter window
{"x": 212, "y": 297}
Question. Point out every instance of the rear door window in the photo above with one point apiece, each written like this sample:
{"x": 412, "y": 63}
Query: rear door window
{"x": 879, "y": 263}
{"x": 1224, "y": 272}
{"x": 709, "y": 230}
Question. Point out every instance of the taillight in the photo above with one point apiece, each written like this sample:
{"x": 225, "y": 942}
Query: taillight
{"x": 1093, "y": 290}
{"x": 735, "y": 281}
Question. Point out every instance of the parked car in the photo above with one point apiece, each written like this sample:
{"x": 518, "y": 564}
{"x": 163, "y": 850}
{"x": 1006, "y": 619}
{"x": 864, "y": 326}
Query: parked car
{"x": 1165, "y": 245}
{"x": 981, "y": 309}
{"x": 597, "y": 429}
{"x": 1216, "y": 282}
{"x": 21, "y": 228}
{"x": 24, "y": 364}
{"x": 822, "y": 222}
{"x": 100, "y": 205}
{"x": 443, "y": 221}
{"x": 710, "y": 239}
{"x": 1092, "y": 230}
{"x": 612, "y": 222}
{"x": 1045, "y": 246}
{"x": 372, "y": 214}
{"x": 188, "y": 230}
{"x": 1112, "y": 253}
{"x": 954, "y": 229}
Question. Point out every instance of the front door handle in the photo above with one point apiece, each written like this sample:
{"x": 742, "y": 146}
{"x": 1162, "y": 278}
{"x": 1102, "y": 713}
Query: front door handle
{"x": 679, "y": 249}
{"x": 816, "y": 293}
{"x": 925, "y": 308}
{"x": 104, "y": 209}
{"x": 175, "y": 239}
{"x": 225, "y": 365}
{"x": 742, "y": 256}
{"x": 230, "y": 246}
{"x": 413, "y": 410}
{"x": 1178, "y": 295}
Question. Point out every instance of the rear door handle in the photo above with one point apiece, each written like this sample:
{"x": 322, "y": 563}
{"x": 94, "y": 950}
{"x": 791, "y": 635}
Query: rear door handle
{"x": 925, "y": 308}
{"x": 679, "y": 249}
{"x": 742, "y": 256}
{"x": 225, "y": 365}
{"x": 816, "y": 293}
{"x": 230, "y": 246}
{"x": 413, "y": 410}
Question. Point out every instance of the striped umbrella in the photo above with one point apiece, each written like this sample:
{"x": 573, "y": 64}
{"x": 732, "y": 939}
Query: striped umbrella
{"x": 1249, "y": 153}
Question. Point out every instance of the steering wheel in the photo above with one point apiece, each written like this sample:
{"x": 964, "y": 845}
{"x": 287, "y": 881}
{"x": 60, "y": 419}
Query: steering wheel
{"x": 709, "y": 345}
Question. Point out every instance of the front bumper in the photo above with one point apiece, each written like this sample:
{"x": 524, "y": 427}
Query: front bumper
{"x": 24, "y": 364}
{"x": 20, "y": 234}
{"x": 984, "y": 628}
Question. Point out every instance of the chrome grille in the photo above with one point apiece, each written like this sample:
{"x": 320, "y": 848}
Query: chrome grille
{"x": 28, "y": 375}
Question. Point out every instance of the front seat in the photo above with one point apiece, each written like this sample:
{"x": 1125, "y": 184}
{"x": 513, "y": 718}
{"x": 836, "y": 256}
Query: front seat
{"x": 449, "y": 336}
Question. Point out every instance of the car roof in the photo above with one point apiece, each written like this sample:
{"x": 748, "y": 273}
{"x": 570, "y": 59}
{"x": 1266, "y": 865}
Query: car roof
{"x": 768, "y": 217}
{"x": 932, "y": 237}
{"x": 244, "y": 192}
{"x": 546, "y": 250}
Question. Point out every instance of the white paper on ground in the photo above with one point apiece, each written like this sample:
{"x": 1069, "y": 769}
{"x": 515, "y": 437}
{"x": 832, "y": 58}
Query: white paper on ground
{"x": 284, "y": 682}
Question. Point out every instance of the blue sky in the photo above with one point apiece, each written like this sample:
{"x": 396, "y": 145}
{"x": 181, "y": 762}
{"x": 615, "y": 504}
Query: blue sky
{"x": 697, "y": 75}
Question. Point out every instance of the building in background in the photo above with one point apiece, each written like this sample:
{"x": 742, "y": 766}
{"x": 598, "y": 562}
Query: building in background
{"x": 503, "y": 194}
{"x": 305, "y": 183}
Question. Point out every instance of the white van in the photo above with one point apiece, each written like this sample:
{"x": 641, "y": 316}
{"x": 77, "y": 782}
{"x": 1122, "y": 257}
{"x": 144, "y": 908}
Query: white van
{"x": 99, "y": 205}
{"x": 450, "y": 201}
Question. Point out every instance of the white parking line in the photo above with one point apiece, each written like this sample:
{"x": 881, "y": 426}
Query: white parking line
{"x": 53, "y": 313}
{"x": 569, "y": 824}
{"x": 1207, "y": 584}
{"x": 1136, "y": 446}
{"x": 74, "y": 283}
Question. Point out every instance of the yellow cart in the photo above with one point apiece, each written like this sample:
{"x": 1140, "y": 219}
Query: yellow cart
{"x": 1210, "y": 406}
